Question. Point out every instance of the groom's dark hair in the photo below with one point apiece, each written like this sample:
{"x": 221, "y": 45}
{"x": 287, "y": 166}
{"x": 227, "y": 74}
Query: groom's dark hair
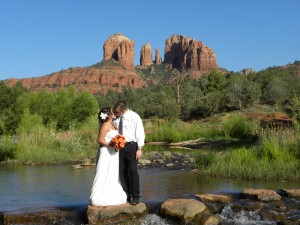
{"x": 121, "y": 105}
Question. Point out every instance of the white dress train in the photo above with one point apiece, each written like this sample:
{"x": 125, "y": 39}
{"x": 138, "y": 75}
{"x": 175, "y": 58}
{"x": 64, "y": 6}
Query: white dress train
{"x": 107, "y": 189}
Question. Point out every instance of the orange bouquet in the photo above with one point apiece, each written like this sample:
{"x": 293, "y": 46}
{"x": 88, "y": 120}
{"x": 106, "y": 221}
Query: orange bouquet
{"x": 118, "y": 142}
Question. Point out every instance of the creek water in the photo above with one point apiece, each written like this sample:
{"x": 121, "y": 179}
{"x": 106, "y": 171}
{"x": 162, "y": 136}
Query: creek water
{"x": 61, "y": 186}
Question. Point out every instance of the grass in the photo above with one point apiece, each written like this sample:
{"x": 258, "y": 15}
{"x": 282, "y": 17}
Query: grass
{"x": 8, "y": 147}
{"x": 44, "y": 145}
{"x": 233, "y": 128}
{"x": 55, "y": 148}
{"x": 274, "y": 158}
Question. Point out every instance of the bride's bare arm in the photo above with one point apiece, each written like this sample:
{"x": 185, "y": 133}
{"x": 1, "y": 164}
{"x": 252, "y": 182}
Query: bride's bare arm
{"x": 102, "y": 133}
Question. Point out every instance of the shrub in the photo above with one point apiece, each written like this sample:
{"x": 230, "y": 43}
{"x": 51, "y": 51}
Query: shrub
{"x": 239, "y": 127}
{"x": 204, "y": 160}
{"x": 8, "y": 147}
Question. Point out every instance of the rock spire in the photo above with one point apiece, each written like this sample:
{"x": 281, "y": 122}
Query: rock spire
{"x": 121, "y": 49}
{"x": 146, "y": 55}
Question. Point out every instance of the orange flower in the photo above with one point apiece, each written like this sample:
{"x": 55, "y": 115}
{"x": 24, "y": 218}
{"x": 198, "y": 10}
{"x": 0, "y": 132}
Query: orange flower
{"x": 118, "y": 142}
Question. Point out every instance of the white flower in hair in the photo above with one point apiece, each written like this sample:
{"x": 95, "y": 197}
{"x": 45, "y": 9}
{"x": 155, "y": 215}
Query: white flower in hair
{"x": 103, "y": 116}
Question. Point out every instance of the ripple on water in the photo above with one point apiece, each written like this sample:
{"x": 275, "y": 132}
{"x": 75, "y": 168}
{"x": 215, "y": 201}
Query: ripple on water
{"x": 153, "y": 219}
{"x": 229, "y": 217}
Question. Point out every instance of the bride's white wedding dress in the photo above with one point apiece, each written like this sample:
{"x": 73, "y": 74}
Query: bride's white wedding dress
{"x": 107, "y": 189}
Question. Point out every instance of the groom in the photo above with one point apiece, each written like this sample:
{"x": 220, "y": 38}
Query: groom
{"x": 130, "y": 125}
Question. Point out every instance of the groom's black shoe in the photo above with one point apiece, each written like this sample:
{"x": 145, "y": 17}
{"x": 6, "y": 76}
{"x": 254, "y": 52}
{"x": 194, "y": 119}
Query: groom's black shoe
{"x": 134, "y": 201}
{"x": 129, "y": 197}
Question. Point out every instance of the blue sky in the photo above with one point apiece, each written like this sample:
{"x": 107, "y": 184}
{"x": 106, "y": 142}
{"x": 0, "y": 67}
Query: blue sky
{"x": 38, "y": 37}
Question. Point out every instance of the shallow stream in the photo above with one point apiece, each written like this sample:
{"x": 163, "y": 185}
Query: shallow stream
{"x": 59, "y": 186}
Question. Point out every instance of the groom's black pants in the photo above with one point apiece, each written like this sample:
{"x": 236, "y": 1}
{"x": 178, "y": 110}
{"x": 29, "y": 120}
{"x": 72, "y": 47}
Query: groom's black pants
{"x": 129, "y": 176}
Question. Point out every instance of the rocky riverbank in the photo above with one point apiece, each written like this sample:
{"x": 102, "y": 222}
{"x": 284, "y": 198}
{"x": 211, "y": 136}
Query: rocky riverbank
{"x": 251, "y": 206}
{"x": 154, "y": 159}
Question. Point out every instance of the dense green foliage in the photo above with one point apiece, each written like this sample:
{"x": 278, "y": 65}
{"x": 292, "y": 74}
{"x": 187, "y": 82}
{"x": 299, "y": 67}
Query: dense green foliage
{"x": 180, "y": 96}
{"x": 62, "y": 108}
{"x": 46, "y": 127}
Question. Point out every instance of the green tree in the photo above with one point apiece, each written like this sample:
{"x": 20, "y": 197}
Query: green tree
{"x": 240, "y": 92}
{"x": 29, "y": 122}
{"x": 8, "y": 102}
{"x": 162, "y": 103}
{"x": 191, "y": 97}
{"x": 46, "y": 103}
{"x": 84, "y": 106}
{"x": 216, "y": 81}
{"x": 108, "y": 99}
{"x": 62, "y": 107}
{"x": 209, "y": 105}
{"x": 276, "y": 92}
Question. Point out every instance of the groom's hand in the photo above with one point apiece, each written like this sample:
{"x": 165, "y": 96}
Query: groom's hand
{"x": 138, "y": 153}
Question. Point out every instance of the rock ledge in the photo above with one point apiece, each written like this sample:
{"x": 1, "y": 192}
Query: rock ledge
{"x": 114, "y": 214}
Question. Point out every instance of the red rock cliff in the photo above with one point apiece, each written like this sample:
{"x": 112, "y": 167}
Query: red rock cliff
{"x": 121, "y": 49}
{"x": 186, "y": 53}
{"x": 109, "y": 75}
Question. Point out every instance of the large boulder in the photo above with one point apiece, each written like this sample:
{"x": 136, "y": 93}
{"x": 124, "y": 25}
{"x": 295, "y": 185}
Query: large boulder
{"x": 185, "y": 210}
{"x": 115, "y": 214}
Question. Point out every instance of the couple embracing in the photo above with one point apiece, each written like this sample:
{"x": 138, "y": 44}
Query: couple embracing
{"x": 117, "y": 180}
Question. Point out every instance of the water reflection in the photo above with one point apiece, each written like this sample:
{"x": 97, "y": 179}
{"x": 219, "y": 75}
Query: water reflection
{"x": 42, "y": 186}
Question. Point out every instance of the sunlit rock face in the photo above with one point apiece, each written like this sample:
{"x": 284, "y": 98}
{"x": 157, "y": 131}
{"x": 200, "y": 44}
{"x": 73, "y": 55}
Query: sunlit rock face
{"x": 185, "y": 53}
{"x": 146, "y": 55}
{"x": 158, "y": 59}
{"x": 121, "y": 49}
{"x": 108, "y": 76}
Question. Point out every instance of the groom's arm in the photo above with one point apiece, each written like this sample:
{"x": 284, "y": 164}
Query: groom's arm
{"x": 140, "y": 136}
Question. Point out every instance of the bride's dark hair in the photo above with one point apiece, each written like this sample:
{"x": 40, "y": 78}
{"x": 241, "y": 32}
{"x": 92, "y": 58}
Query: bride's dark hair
{"x": 103, "y": 115}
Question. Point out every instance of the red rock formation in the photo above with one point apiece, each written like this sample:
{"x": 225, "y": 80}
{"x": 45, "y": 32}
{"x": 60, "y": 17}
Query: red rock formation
{"x": 146, "y": 55}
{"x": 157, "y": 57}
{"x": 94, "y": 79}
{"x": 121, "y": 49}
{"x": 185, "y": 53}
{"x": 117, "y": 68}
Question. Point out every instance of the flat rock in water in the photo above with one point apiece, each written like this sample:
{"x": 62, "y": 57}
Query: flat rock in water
{"x": 86, "y": 162}
{"x": 215, "y": 198}
{"x": 293, "y": 193}
{"x": 261, "y": 194}
{"x": 144, "y": 162}
{"x": 186, "y": 210}
{"x": 76, "y": 167}
{"x": 115, "y": 214}
{"x": 169, "y": 164}
{"x": 34, "y": 217}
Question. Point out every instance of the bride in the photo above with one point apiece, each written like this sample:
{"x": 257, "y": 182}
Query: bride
{"x": 107, "y": 189}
